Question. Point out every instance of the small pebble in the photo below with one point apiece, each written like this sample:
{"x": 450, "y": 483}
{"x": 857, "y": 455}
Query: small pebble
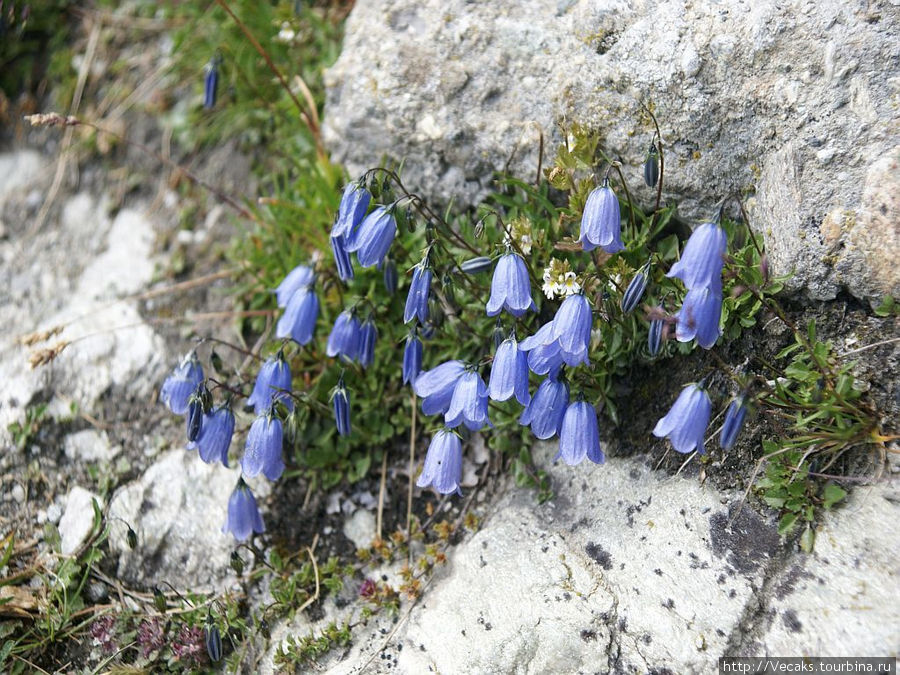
{"x": 54, "y": 513}
{"x": 18, "y": 493}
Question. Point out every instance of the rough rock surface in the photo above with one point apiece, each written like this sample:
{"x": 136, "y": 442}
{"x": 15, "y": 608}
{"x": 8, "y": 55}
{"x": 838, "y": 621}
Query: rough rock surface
{"x": 796, "y": 100}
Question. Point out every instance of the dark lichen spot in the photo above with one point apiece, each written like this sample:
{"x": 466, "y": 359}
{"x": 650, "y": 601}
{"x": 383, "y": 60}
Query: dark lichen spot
{"x": 791, "y": 621}
{"x": 669, "y": 604}
{"x": 744, "y": 539}
{"x": 588, "y": 635}
{"x": 598, "y": 555}
{"x": 657, "y": 572}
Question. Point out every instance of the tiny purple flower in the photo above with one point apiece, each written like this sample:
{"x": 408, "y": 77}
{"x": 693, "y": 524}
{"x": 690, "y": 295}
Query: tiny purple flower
{"x": 469, "y": 403}
{"x": 510, "y": 287}
{"x": 509, "y": 373}
{"x": 354, "y": 204}
{"x": 243, "y": 514}
{"x": 342, "y": 258}
{"x": 685, "y": 424}
{"x": 344, "y": 339}
{"x": 262, "y": 453}
{"x": 215, "y": 435}
{"x": 702, "y": 259}
{"x": 443, "y": 463}
{"x": 601, "y": 223}
{"x": 302, "y": 276}
{"x": 417, "y": 300}
{"x": 412, "y": 359}
{"x": 436, "y": 386}
{"x": 699, "y": 317}
{"x": 548, "y": 406}
{"x": 177, "y": 389}
{"x": 572, "y": 328}
{"x": 273, "y": 383}
{"x": 373, "y": 238}
{"x": 299, "y": 319}
{"x": 579, "y": 436}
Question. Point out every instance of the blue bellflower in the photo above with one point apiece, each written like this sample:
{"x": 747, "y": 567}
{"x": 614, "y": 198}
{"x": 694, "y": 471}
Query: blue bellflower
{"x": 177, "y": 389}
{"x": 685, "y": 424}
{"x": 543, "y": 351}
{"x": 469, "y": 403}
{"x": 510, "y": 287}
{"x": 368, "y": 334}
{"x": 572, "y": 329}
{"x": 601, "y": 223}
{"x": 354, "y": 204}
{"x": 390, "y": 276}
{"x": 419, "y": 290}
{"x": 211, "y": 84}
{"x": 373, "y": 238}
{"x": 699, "y": 317}
{"x": 342, "y": 258}
{"x": 341, "y": 403}
{"x": 302, "y": 276}
{"x": 545, "y": 412}
{"x": 509, "y": 373}
{"x": 436, "y": 386}
{"x": 345, "y": 337}
{"x": 412, "y": 359}
{"x": 700, "y": 265}
{"x": 243, "y": 514}
{"x": 215, "y": 435}
{"x": 579, "y": 435}
{"x": 734, "y": 422}
{"x": 443, "y": 463}
{"x": 262, "y": 453}
{"x": 273, "y": 383}
{"x": 299, "y": 319}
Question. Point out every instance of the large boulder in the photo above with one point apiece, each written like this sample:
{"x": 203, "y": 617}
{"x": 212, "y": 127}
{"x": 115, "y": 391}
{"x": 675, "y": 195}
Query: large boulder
{"x": 792, "y": 103}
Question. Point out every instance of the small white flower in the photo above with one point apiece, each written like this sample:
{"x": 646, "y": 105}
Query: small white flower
{"x": 570, "y": 284}
{"x": 549, "y": 289}
{"x": 286, "y": 34}
{"x": 525, "y": 244}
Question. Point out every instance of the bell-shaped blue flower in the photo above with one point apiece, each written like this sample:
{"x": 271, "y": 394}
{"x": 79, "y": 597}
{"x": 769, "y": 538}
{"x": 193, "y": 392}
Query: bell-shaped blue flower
{"x": 510, "y": 287}
{"x": 685, "y": 424}
{"x": 273, "y": 383}
{"x": 390, "y": 276}
{"x": 734, "y": 422}
{"x": 181, "y": 383}
{"x": 579, "y": 435}
{"x": 302, "y": 276}
{"x": 262, "y": 453}
{"x": 342, "y": 258}
{"x": 340, "y": 400}
{"x": 412, "y": 359}
{"x": 544, "y": 355}
{"x": 372, "y": 240}
{"x": 215, "y": 435}
{"x": 436, "y": 386}
{"x": 368, "y": 334}
{"x": 443, "y": 463}
{"x": 699, "y": 317}
{"x": 345, "y": 337}
{"x": 469, "y": 403}
{"x": 243, "y": 514}
{"x": 299, "y": 319}
{"x": 419, "y": 290}
{"x": 572, "y": 329}
{"x": 701, "y": 262}
{"x": 354, "y": 204}
{"x": 545, "y": 412}
{"x": 509, "y": 373}
{"x": 601, "y": 223}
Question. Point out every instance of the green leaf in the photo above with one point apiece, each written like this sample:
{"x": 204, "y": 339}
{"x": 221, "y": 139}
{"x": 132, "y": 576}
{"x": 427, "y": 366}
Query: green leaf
{"x": 887, "y": 306}
{"x": 832, "y": 494}
{"x": 808, "y": 539}
{"x": 787, "y": 522}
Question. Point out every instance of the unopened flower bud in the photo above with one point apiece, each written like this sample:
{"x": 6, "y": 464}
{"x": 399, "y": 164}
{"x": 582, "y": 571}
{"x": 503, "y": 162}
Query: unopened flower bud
{"x": 651, "y": 166}
{"x": 390, "y": 276}
{"x": 131, "y": 538}
{"x": 635, "y": 290}
{"x": 655, "y": 336}
{"x": 734, "y": 422}
{"x": 476, "y": 265}
{"x": 213, "y": 641}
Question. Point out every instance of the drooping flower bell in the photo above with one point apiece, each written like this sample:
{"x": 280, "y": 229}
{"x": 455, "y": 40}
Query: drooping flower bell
{"x": 685, "y": 423}
{"x": 243, "y": 514}
{"x": 443, "y": 463}
{"x": 572, "y": 329}
{"x": 262, "y": 453}
{"x": 368, "y": 334}
{"x": 734, "y": 422}
{"x": 390, "y": 275}
{"x": 372, "y": 240}
{"x": 543, "y": 351}
{"x": 215, "y": 435}
{"x": 510, "y": 287}
{"x": 341, "y": 258}
{"x": 299, "y": 319}
{"x": 273, "y": 383}
{"x": 699, "y": 317}
{"x": 345, "y": 337}
{"x": 545, "y": 412}
{"x": 412, "y": 358}
{"x": 509, "y": 373}
{"x": 601, "y": 223}
{"x": 436, "y": 386}
{"x": 579, "y": 435}
{"x": 700, "y": 265}
{"x": 469, "y": 403}
{"x": 340, "y": 400}
{"x": 419, "y": 290}
{"x": 354, "y": 204}
{"x": 302, "y": 276}
{"x": 181, "y": 383}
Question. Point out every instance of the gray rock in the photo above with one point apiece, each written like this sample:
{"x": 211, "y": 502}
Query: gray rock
{"x": 795, "y": 100}
{"x": 89, "y": 446}
{"x": 177, "y": 509}
{"x": 78, "y": 519}
{"x": 360, "y": 528}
